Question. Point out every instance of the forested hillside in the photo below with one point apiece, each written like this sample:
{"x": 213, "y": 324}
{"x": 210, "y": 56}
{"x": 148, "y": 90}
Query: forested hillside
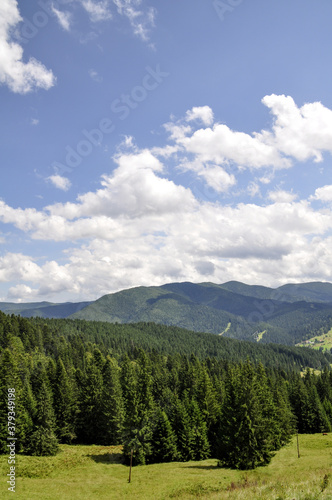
{"x": 183, "y": 396}
{"x": 289, "y": 314}
{"x": 234, "y": 309}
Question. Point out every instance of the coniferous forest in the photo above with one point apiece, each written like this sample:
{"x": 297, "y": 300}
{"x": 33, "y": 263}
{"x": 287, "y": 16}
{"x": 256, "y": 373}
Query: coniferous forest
{"x": 166, "y": 393}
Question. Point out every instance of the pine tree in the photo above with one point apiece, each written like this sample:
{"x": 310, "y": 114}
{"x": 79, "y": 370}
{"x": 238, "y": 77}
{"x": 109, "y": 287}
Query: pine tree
{"x": 139, "y": 440}
{"x": 112, "y": 406}
{"x": 64, "y": 404}
{"x": 144, "y": 386}
{"x": 89, "y": 425}
{"x": 181, "y": 424}
{"x": 200, "y": 442}
{"x": 247, "y": 428}
{"x": 163, "y": 439}
{"x": 43, "y": 440}
{"x": 130, "y": 396}
{"x": 285, "y": 421}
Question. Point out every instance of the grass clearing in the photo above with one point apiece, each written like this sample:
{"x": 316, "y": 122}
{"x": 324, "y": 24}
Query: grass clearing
{"x": 226, "y": 329}
{"x": 320, "y": 341}
{"x": 96, "y": 472}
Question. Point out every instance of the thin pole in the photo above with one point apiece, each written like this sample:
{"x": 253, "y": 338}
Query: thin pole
{"x": 298, "y": 447}
{"x": 131, "y": 463}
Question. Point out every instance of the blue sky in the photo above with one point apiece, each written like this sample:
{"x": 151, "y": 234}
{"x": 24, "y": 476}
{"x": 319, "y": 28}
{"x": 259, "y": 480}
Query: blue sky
{"x": 145, "y": 142}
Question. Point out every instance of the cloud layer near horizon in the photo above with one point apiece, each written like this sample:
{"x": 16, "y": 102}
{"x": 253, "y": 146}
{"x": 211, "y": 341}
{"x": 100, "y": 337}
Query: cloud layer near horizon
{"x": 143, "y": 228}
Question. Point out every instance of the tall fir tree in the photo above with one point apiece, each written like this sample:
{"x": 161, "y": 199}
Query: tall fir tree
{"x": 89, "y": 425}
{"x": 112, "y": 405}
{"x": 181, "y": 424}
{"x": 43, "y": 439}
{"x": 247, "y": 428}
{"x": 65, "y": 404}
{"x": 163, "y": 441}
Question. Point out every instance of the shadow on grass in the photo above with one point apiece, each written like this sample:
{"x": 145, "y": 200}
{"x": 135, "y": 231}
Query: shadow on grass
{"x": 107, "y": 458}
{"x": 203, "y": 467}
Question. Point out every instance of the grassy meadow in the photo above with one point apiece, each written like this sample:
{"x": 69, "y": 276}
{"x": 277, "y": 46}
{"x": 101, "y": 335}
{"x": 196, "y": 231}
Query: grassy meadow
{"x": 96, "y": 472}
{"x": 323, "y": 341}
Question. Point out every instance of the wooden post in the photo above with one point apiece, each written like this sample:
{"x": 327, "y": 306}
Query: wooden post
{"x": 131, "y": 464}
{"x": 298, "y": 447}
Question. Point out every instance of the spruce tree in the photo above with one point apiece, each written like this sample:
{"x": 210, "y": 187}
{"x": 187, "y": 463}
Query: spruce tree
{"x": 130, "y": 396}
{"x": 43, "y": 441}
{"x": 181, "y": 424}
{"x": 144, "y": 386}
{"x": 64, "y": 404}
{"x": 112, "y": 405}
{"x": 247, "y": 428}
{"x": 200, "y": 442}
{"x": 139, "y": 440}
{"x": 163, "y": 441}
{"x": 89, "y": 425}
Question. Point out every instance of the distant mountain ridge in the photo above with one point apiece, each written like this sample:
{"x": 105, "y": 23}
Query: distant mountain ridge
{"x": 42, "y": 309}
{"x": 288, "y": 314}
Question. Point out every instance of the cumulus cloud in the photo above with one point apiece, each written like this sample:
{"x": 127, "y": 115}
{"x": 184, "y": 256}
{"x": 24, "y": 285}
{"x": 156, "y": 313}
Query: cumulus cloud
{"x": 217, "y": 178}
{"x": 323, "y": 193}
{"x": 20, "y": 77}
{"x": 60, "y": 182}
{"x": 134, "y": 188}
{"x": 202, "y": 113}
{"x": 167, "y": 236}
{"x": 142, "y": 228}
{"x": 280, "y": 196}
{"x": 302, "y": 133}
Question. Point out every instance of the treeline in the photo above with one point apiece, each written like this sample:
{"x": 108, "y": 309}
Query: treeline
{"x": 120, "y": 338}
{"x": 164, "y": 406}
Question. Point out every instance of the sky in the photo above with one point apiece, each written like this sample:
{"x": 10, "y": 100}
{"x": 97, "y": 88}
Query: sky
{"x": 145, "y": 142}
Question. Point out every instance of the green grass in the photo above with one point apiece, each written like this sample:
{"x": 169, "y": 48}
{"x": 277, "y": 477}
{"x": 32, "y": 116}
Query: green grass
{"x": 226, "y": 329}
{"x": 320, "y": 341}
{"x": 260, "y": 335}
{"x": 96, "y": 472}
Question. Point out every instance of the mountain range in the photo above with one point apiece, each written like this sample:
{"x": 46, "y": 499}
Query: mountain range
{"x": 288, "y": 314}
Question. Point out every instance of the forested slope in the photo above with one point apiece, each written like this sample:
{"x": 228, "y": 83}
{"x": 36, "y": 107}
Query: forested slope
{"x": 181, "y": 396}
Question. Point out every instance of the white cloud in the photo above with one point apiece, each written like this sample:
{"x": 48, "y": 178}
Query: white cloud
{"x": 60, "y": 182}
{"x": 98, "y": 11}
{"x": 141, "y": 21}
{"x": 217, "y": 178}
{"x": 34, "y": 121}
{"x": 280, "y": 196}
{"x": 63, "y": 18}
{"x": 222, "y": 145}
{"x": 133, "y": 189}
{"x": 20, "y": 77}
{"x": 302, "y": 133}
{"x": 19, "y": 267}
{"x": 203, "y": 113}
{"x": 141, "y": 228}
{"x": 323, "y": 193}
